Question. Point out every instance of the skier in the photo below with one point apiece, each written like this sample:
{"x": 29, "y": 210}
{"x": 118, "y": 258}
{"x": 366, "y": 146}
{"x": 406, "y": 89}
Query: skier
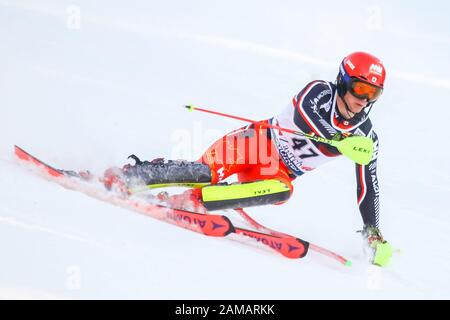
{"x": 267, "y": 160}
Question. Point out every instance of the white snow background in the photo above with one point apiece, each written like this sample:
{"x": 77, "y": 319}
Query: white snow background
{"x": 83, "y": 84}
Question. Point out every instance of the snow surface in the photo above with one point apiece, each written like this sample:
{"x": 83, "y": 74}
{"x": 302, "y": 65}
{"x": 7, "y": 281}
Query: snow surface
{"x": 86, "y": 91}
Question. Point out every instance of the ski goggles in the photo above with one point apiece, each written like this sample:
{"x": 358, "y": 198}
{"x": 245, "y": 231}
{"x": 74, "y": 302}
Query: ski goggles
{"x": 364, "y": 90}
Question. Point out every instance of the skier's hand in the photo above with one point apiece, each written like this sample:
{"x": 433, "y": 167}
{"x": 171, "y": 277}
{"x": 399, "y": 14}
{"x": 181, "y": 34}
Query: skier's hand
{"x": 382, "y": 252}
{"x": 378, "y": 249}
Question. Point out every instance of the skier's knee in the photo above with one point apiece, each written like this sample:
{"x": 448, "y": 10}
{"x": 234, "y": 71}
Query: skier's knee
{"x": 288, "y": 195}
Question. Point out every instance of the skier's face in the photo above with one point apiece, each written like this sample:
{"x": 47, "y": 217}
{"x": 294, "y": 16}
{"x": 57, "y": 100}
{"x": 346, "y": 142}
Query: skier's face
{"x": 355, "y": 105}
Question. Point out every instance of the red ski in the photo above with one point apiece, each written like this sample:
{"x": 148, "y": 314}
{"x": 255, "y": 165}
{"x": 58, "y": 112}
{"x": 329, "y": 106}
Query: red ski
{"x": 214, "y": 225}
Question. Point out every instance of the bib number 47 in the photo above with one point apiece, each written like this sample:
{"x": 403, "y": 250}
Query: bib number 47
{"x": 301, "y": 150}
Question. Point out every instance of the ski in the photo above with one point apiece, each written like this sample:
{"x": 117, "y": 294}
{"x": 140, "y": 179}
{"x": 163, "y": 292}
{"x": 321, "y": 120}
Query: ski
{"x": 312, "y": 246}
{"x": 211, "y": 225}
{"x": 214, "y": 225}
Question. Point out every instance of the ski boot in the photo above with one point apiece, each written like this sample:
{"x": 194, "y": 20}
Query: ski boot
{"x": 114, "y": 180}
{"x": 189, "y": 200}
{"x": 376, "y": 248}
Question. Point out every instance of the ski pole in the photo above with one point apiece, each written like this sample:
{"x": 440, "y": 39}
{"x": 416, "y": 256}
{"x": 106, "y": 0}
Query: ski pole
{"x": 357, "y": 148}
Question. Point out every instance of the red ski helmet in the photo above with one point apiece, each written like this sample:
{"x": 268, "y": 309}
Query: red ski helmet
{"x": 361, "y": 74}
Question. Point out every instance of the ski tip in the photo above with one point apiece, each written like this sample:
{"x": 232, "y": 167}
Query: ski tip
{"x": 190, "y": 107}
{"x": 20, "y": 153}
{"x": 348, "y": 263}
